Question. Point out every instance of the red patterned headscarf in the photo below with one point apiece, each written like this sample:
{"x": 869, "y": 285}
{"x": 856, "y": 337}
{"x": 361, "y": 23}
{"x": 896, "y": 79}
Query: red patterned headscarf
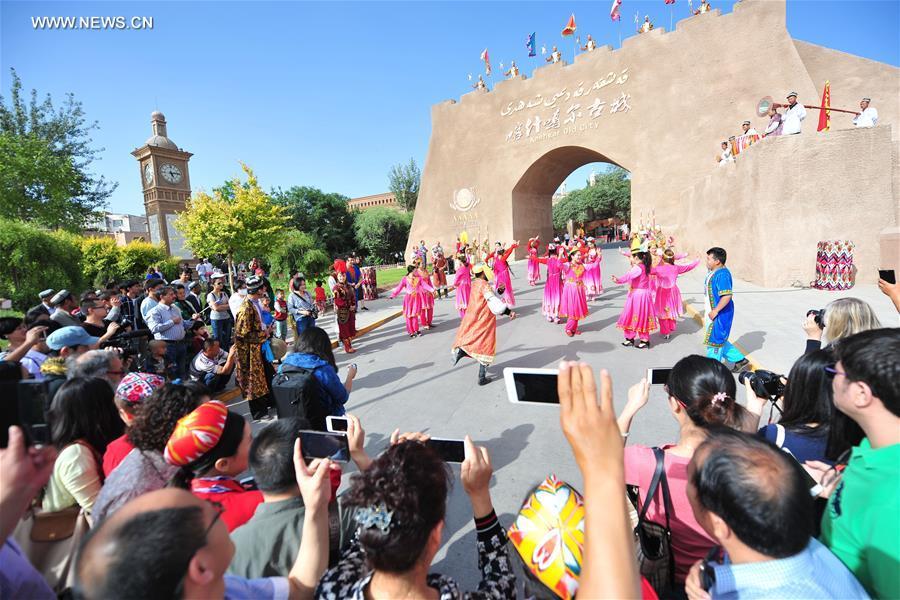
{"x": 196, "y": 433}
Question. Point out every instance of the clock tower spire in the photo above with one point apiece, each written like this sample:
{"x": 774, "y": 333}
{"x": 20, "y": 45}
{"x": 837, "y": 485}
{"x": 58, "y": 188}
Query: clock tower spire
{"x": 166, "y": 183}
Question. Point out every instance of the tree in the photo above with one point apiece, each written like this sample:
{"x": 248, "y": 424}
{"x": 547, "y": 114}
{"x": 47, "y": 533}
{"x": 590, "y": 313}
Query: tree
{"x": 324, "y": 216}
{"x": 298, "y": 251}
{"x": 403, "y": 181}
{"x": 245, "y": 225}
{"x": 609, "y": 197}
{"x": 46, "y": 153}
{"x": 382, "y": 232}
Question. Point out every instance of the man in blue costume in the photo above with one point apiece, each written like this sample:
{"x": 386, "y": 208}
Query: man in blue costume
{"x": 720, "y": 311}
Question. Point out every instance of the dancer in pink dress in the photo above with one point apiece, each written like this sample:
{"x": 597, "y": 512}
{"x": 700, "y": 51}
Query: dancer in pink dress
{"x": 426, "y": 295}
{"x": 534, "y": 267}
{"x": 553, "y": 287}
{"x": 593, "y": 284}
{"x": 638, "y": 318}
{"x": 412, "y": 301}
{"x": 573, "y": 305}
{"x": 501, "y": 271}
{"x": 462, "y": 284}
{"x": 669, "y": 305}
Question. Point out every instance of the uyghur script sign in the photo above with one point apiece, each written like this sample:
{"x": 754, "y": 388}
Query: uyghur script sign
{"x": 535, "y": 128}
{"x": 564, "y": 95}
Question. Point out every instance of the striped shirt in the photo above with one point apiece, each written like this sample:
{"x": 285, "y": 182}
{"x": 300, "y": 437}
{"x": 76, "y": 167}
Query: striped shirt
{"x": 160, "y": 320}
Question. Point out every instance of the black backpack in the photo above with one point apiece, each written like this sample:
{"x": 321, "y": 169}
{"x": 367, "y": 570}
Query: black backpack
{"x": 298, "y": 394}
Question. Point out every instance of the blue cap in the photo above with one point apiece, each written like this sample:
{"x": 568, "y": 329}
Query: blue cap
{"x": 67, "y": 337}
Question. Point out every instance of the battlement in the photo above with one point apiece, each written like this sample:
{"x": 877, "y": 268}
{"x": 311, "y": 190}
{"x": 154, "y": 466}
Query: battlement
{"x": 695, "y": 26}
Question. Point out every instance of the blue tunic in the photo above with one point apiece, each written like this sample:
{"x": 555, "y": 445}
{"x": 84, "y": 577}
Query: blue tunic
{"x": 718, "y": 284}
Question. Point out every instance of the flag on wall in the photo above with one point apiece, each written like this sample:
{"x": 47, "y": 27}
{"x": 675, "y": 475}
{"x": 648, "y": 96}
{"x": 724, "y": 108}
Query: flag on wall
{"x": 614, "y": 13}
{"x": 825, "y": 114}
{"x": 530, "y": 45}
{"x": 569, "y": 29}
{"x": 487, "y": 62}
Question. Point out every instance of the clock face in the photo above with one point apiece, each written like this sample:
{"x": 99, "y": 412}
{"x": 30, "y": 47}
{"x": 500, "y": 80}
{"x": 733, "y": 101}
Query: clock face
{"x": 170, "y": 173}
{"x": 148, "y": 173}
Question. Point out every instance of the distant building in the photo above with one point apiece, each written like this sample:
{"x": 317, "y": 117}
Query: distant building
{"x": 377, "y": 201}
{"x": 123, "y": 228}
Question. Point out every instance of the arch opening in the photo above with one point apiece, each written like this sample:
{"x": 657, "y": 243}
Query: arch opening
{"x": 533, "y": 195}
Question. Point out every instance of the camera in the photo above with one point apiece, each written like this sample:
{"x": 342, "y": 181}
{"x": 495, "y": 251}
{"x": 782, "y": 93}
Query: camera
{"x": 25, "y": 404}
{"x": 128, "y": 342}
{"x": 818, "y": 315}
{"x": 765, "y": 384}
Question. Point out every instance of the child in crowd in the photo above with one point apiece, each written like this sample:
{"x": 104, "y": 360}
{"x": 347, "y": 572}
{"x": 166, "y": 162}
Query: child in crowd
{"x": 198, "y": 335}
{"x": 155, "y": 362}
{"x": 281, "y": 315}
{"x": 319, "y": 297}
{"x": 211, "y": 445}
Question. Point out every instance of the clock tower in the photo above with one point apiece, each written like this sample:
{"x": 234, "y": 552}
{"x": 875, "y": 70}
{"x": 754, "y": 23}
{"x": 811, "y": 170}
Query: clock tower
{"x": 166, "y": 184}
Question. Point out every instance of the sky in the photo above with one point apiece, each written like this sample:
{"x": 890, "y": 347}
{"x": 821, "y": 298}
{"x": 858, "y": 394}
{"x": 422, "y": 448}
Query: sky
{"x": 330, "y": 94}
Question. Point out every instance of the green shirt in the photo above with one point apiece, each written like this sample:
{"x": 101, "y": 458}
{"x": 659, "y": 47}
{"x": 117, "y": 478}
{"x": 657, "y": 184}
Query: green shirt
{"x": 861, "y": 524}
{"x": 267, "y": 544}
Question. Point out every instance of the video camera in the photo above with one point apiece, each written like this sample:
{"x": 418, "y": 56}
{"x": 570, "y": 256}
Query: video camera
{"x": 127, "y": 342}
{"x": 765, "y": 384}
{"x": 818, "y": 315}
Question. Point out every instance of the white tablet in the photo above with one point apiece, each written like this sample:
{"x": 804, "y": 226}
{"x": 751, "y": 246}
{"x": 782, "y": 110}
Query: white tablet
{"x": 531, "y": 386}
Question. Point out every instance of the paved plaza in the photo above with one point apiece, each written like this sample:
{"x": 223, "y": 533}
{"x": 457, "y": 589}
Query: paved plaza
{"x": 411, "y": 385}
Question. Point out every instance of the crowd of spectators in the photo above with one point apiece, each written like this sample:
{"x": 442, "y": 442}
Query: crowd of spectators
{"x": 787, "y": 495}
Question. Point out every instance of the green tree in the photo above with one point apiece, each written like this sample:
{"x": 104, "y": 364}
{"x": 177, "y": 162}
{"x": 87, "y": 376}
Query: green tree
{"x": 46, "y": 154}
{"x": 382, "y": 232}
{"x": 403, "y": 181}
{"x": 324, "y": 216}
{"x": 33, "y": 258}
{"x": 609, "y": 197}
{"x": 247, "y": 224}
{"x": 298, "y": 251}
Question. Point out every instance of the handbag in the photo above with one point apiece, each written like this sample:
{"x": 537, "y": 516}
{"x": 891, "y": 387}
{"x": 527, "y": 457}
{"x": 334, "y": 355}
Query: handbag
{"x": 50, "y": 541}
{"x": 653, "y": 541}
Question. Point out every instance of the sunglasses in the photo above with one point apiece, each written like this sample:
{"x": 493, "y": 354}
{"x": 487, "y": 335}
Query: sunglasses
{"x": 832, "y": 371}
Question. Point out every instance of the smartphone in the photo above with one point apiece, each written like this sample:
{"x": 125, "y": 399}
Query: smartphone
{"x": 336, "y": 424}
{"x": 33, "y": 398}
{"x": 319, "y": 444}
{"x": 888, "y": 275}
{"x": 815, "y": 488}
{"x": 531, "y": 386}
{"x": 451, "y": 451}
{"x": 658, "y": 376}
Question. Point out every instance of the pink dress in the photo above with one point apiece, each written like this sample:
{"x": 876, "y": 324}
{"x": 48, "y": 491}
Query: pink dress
{"x": 534, "y": 267}
{"x": 501, "y": 275}
{"x": 552, "y": 289}
{"x": 573, "y": 304}
{"x": 412, "y": 285}
{"x": 639, "y": 314}
{"x": 426, "y": 293}
{"x": 463, "y": 285}
{"x": 668, "y": 297}
{"x": 592, "y": 281}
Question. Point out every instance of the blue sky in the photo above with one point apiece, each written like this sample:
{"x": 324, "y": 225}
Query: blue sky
{"x": 324, "y": 94}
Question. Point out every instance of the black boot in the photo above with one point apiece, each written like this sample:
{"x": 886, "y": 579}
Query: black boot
{"x": 458, "y": 355}
{"x": 482, "y": 375}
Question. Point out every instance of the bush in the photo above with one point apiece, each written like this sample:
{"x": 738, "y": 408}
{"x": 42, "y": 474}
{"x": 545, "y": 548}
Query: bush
{"x": 99, "y": 261}
{"x": 35, "y": 259}
{"x": 137, "y": 256}
{"x": 298, "y": 251}
{"x": 382, "y": 232}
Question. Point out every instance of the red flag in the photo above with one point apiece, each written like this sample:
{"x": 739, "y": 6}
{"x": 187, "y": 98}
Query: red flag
{"x": 487, "y": 62}
{"x": 569, "y": 29}
{"x": 614, "y": 12}
{"x": 825, "y": 114}
{"x": 670, "y": 1}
